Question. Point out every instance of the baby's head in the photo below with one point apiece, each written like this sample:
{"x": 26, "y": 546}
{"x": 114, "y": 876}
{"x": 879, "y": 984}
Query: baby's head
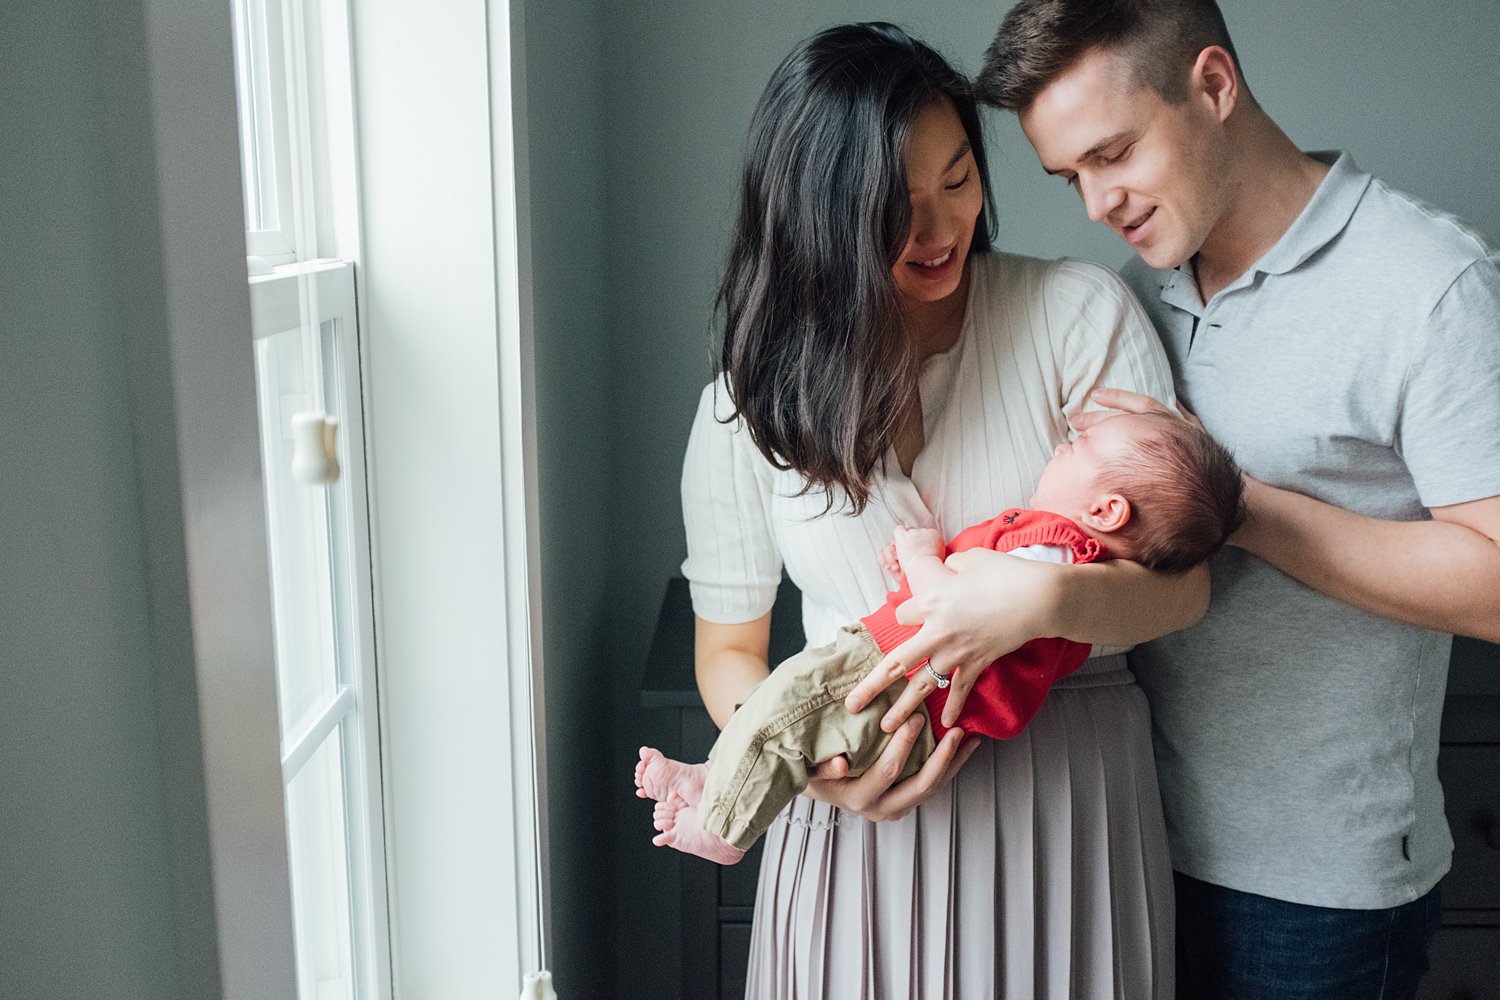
{"x": 1163, "y": 492}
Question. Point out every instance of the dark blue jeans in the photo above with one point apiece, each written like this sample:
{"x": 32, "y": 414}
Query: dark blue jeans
{"x": 1235, "y": 945}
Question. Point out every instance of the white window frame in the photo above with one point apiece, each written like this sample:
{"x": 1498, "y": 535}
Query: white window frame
{"x": 444, "y": 260}
{"x": 193, "y": 416}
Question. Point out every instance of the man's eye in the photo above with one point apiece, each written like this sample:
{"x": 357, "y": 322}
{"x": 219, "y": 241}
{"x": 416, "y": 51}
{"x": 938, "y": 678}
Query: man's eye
{"x": 1071, "y": 182}
{"x": 1107, "y": 160}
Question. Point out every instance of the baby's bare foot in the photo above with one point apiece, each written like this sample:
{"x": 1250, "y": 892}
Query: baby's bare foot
{"x": 678, "y": 823}
{"x": 658, "y": 776}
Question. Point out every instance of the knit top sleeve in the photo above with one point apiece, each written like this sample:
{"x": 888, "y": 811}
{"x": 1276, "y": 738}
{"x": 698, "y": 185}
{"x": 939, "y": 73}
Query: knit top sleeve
{"x": 1104, "y": 335}
{"x": 733, "y": 565}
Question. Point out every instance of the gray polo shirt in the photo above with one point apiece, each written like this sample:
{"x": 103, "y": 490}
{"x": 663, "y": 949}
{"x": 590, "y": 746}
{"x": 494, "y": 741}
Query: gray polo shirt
{"x": 1358, "y": 362}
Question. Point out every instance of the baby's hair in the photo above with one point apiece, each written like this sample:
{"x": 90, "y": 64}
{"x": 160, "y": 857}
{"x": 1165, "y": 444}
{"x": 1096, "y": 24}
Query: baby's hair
{"x": 1186, "y": 496}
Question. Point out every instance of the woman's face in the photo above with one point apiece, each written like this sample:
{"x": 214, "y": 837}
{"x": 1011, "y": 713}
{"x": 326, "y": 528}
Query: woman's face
{"x": 946, "y": 196}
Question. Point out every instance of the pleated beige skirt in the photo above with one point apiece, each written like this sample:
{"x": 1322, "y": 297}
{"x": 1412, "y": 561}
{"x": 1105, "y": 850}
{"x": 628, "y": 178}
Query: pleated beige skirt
{"x": 1041, "y": 874}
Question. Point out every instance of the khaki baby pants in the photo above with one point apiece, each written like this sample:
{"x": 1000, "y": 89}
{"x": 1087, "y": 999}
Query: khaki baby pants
{"x": 789, "y": 723}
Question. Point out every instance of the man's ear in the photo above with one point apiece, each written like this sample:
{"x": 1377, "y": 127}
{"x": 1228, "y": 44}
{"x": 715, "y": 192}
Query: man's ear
{"x": 1215, "y": 80}
{"x": 1108, "y": 513}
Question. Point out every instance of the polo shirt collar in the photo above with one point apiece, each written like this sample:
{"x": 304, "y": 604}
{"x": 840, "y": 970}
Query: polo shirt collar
{"x": 1323, "y": 218}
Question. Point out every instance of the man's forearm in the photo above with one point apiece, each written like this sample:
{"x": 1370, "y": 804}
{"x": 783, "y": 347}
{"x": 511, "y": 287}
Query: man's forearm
{"x": 1433, "y": 574}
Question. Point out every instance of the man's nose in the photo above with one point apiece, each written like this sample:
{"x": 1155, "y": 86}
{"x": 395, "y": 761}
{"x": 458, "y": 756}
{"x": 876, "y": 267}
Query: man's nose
{"x": 1099, "y": 199}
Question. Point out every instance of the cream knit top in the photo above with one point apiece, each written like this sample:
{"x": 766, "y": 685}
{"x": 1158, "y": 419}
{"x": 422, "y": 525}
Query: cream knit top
{"x": 1037, "y": 336}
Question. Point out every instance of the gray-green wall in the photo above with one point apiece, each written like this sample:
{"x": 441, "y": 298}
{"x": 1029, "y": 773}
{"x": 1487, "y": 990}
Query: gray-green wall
{"x": 638, "y": 115}
{"x": 106, "y": 879}
{"x": 564, "y": 52}
{"x": 84, "y": 822}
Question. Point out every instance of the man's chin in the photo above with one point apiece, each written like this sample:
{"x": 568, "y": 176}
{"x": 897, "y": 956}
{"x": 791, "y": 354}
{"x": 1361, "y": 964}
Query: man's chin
{"x": 1161, "y": 258}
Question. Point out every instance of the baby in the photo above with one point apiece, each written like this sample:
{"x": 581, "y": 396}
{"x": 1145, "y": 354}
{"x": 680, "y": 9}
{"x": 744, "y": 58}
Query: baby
{"x": 1160, "y": 491}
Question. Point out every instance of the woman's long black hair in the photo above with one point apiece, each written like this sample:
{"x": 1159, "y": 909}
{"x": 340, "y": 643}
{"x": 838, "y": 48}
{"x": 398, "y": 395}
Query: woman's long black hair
{"x": 820, "y": 366}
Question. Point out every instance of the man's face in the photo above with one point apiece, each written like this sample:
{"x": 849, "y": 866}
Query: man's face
{"x": 1151, "y": 171}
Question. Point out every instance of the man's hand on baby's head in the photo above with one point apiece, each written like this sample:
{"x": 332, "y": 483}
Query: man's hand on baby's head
{"x": 1118, "y": 401}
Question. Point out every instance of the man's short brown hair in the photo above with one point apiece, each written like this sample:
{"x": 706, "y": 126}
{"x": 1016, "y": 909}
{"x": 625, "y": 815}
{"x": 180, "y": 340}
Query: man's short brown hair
{"x": 1186, "y": 496}
{"x": 1039, "y": 40}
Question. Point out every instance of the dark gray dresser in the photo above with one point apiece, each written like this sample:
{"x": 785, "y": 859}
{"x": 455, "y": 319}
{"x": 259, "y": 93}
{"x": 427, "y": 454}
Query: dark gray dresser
{"x": 1466, "y": 955}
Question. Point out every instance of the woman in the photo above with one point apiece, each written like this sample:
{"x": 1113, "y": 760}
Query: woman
{"x": 880, "y": 366}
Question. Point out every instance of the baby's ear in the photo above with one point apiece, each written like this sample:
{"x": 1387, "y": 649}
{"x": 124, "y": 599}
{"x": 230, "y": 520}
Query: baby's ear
{"x": 1109, "y": 512}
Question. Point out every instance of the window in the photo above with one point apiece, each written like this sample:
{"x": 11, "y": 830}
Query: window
{"x": 321, "y": 599}
{"x": 312, "y": 448}
{"x": 265, "y": 147}
{"x": 404, "y": 594}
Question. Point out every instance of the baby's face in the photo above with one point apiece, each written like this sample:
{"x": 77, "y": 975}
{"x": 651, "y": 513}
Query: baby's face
{"x": 1070, "y": 482}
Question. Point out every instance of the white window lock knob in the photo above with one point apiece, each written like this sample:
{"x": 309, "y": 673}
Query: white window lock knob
{"x": 315, "y": 456}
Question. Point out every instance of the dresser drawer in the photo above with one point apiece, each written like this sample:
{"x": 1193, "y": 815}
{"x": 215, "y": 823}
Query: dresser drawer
{"x": 734, "y": 960}
{"x": 1465, "y": 965}
{"x": 1471, "y": 790}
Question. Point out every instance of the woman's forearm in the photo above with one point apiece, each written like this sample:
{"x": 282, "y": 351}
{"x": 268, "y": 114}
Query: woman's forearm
{"x": 729, "y": 660}
{"x": 1121, "y": 603}
{"x": 723, "y": 680}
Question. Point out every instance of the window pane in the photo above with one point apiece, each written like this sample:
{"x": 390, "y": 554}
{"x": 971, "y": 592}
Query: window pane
{"x": 253, "y": 98}
{"x": 301, "y": 568}
{"x": 319, "y": 855}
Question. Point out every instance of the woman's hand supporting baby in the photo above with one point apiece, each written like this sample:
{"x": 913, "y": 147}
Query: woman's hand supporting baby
{"x": 875, "y": 795}
{"x": 918, "y": 553}
{"x": 981, "y": 604}
{"x": 961, "y": 632}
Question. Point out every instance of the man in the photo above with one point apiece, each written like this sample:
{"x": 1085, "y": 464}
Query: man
{"x": 1344, "y": 341}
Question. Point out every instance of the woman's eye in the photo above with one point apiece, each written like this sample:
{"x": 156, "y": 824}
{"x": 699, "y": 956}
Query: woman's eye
{"x": 960, "y": 183}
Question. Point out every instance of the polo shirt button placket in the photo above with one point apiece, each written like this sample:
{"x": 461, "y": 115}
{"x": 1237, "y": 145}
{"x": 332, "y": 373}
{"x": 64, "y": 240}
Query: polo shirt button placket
{"x": 1216, "y": 316}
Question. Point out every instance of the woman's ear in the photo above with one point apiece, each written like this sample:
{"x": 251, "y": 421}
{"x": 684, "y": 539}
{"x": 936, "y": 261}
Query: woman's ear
{"x": 1109, "y": 512}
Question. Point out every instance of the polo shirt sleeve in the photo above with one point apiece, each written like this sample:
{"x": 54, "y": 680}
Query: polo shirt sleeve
{"x": 733, "y": 565}
{"x": 1107, "y": 341}
{"x": 1448, "y": 432}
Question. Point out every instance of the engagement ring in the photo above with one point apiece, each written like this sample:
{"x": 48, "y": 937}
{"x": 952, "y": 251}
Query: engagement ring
{"x": 941, "y": 681}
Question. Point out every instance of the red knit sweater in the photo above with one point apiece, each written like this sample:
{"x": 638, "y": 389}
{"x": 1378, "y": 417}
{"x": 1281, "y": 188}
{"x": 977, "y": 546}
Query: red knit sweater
{"x": 1010, "y": 690}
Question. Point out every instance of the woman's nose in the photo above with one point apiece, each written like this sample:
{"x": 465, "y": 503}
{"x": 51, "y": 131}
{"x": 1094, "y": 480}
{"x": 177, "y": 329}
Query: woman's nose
{"x": 929, "y": 231}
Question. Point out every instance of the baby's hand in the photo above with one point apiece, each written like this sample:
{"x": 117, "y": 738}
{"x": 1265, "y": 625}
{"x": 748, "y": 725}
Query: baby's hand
{"x": 914, "y": 543}
{"x": 889, "y": 561}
